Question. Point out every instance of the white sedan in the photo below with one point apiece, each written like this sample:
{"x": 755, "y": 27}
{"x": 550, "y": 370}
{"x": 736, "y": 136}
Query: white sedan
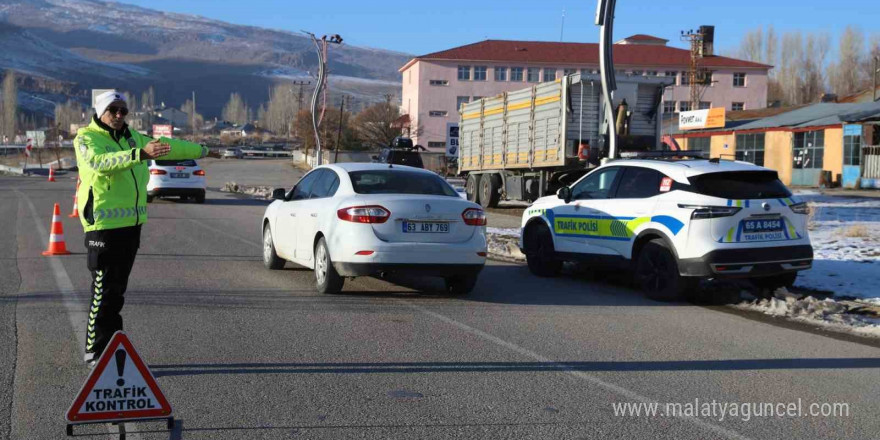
{"x": 362, "y": 219}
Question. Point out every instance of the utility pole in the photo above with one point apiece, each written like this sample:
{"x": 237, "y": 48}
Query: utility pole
{"x": 299, "y": 103}
{"x": 874, "y": 76}
{"x": 321, "y": 48}
{"x": 193, "y": 116}
{"x": 339, "y": 130}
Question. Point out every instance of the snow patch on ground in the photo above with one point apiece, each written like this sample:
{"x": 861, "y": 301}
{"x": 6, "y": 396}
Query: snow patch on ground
{"x": 826, "y": 313}
{"x": 258, "y": 192}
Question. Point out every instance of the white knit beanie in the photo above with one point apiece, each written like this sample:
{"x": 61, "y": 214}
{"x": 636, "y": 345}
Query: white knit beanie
{"x": 105, "y": 99}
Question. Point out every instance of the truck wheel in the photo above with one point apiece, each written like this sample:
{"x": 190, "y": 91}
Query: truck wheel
{"x": 471, "y": 188}
{"x": 539, "y": 250}
{"x": 657, "y": 273}
{"x": 489, "y": 185}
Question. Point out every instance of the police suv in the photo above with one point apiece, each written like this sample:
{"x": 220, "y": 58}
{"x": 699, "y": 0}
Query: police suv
{"x": 673, "y": 222}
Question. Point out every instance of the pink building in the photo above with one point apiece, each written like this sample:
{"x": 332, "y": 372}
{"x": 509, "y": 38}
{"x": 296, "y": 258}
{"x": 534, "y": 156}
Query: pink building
{"x": 435, "y": 85}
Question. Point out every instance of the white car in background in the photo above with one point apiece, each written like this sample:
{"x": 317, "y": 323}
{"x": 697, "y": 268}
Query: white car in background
{"x": 361, "y": 219}
{"x": 176, "y": 178}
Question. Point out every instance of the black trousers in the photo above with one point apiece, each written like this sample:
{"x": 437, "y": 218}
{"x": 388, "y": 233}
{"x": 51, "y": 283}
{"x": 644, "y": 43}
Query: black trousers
{"x": 111, "y": 256}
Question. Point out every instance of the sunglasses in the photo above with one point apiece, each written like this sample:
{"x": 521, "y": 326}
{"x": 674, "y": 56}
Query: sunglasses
{"x": 117, "y": 110}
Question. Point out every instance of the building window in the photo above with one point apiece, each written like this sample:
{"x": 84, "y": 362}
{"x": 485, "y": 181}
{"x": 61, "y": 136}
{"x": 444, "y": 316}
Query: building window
{"x": 569, "y": 71}
{"x": 739, "y": 79}
{"x": 638, "y": 72}
{"x": 651, "y": 73}
{"x": 460, "y": 100}
{"x": 852, "y": 146}
{"x": 685, "y": 78}
{"x": 549, "y": 74}
{"x": 479, "y": 73}
{"x": 684, "y": 106}
{"x": 705, "y": 105}
{"x": 436, "y": 144}
{"x": 669, "y": 107}
{"x": 437, "y": 113}
{"x": 500, "y": 73}
{"x": 809, "y": 150}
{"x": 532, "y": 74}
{"x": 750, "y": 148}
{"x": 737, "y": 106}
{"x": 703, "y": 144}
{"x": 476, "y": 98}
{"x": 464, "y": 73}
{"x": 516, "y": 73}
{"x": 439, "y": 82}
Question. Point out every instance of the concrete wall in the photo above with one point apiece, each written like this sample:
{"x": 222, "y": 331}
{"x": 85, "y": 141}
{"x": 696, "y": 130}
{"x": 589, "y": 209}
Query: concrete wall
{"x": 777, "y": 153}
{"x": 717, "y": 149}
{"x": 419, "y": 97}
{"x": 833, "y": 158}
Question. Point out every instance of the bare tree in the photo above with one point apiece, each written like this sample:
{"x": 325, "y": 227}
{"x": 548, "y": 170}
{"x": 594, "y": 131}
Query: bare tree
{"x": 280, "y": 113}
{"x": 187, "y": 107}
{"x": 791, "y": 53}
{"x": 68, "y": 113}
{"x": 752, "y": 45}
{"x": 811, "y": 65}
{"x": 846, "y": 76}
{"x": 9, "y": 105}
{"x": 375, "y": 126}
{"x": 236, "y": 110}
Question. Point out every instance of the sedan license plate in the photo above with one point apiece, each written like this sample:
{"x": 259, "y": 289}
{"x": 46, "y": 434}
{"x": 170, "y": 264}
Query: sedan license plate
{"x": 426, "y": 227}
{"x": 179, "y": 175}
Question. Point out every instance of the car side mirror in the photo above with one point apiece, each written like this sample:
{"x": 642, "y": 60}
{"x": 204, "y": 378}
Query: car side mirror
{"x": 564, "y": 193}
{"x": 279, "y": 194}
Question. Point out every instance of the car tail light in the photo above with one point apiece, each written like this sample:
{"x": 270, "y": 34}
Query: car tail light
{"x": 156, "y": 172}
{"x": 364, "y": 214}
{"x": 481, "y": 254}
{"x": 711, "y": 211}
{"x": 364, "y": 253}
{"x": 474, "y": 217}
{"x": 800, "y": 208}
{"x": 199, "y": 173}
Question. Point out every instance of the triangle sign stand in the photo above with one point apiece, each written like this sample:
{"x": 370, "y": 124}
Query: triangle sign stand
{"x": 119, "y": 388}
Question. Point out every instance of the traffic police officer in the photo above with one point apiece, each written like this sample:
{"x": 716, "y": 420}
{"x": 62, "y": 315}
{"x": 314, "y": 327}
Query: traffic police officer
{"x": 112, "y": 161}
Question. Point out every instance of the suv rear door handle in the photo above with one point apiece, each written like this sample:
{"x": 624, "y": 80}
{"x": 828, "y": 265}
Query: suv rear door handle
{"x": 314, "y": 214}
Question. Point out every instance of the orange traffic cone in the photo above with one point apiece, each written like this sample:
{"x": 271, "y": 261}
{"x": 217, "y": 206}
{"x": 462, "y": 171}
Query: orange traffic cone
{"x": 75, "y": 212}
{"x": 56, "y": 238}
{"x": 51, "y": 174}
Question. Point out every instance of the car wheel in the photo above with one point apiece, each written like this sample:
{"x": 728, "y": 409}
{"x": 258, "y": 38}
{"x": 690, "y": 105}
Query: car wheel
{"x": 200, "y": 198}
{"x": 460, "y": 284}
{"x": 657, "y": 273}
{"x": 769, "y": 284}
{"x": 327, "y": 280}
{"x": 270, "y": 259}
{"x": 472, "y": 187}
{"x": 489, "y": 185}
{"x": 150, "y": 199}
{"x": 540, "y": 253}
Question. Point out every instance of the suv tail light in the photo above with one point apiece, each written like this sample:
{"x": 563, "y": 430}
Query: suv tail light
{"x": 800, "y": 208}
{"x": 711, "y": 211}
{"x": 199, "y": 173}
{"x": 364, "y": 214}
{"x": 157, "y": 172}
{"x": 474, "y": 217}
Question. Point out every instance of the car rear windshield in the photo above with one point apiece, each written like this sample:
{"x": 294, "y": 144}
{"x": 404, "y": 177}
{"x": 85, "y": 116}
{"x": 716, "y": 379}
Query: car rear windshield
{"x": 740, "y": 185}
{"x": 176, "y": 163}
{"x": 399, "y": 182}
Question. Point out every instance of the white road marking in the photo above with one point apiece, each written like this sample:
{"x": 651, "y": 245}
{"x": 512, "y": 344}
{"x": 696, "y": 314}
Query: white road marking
{"x": 572, "y": 370}
{"x": 75, "y": 305}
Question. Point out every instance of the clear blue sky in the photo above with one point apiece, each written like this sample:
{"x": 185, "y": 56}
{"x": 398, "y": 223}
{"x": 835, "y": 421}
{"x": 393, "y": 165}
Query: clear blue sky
{"x": 420, "y": 27}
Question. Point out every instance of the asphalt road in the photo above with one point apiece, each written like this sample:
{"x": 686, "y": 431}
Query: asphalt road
{"x": 243, "y": 352}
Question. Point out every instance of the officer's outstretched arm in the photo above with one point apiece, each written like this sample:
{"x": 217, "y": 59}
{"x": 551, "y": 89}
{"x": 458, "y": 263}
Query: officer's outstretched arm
{"x": 180, "y": 149}
{"x": 95, "y": 156}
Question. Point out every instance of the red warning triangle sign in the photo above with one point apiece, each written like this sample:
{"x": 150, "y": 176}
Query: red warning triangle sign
{"x": 120, "y": 387}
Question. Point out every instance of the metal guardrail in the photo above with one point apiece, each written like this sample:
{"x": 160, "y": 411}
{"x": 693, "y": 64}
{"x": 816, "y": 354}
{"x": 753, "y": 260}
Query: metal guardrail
{"x": 268, "y": 153}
